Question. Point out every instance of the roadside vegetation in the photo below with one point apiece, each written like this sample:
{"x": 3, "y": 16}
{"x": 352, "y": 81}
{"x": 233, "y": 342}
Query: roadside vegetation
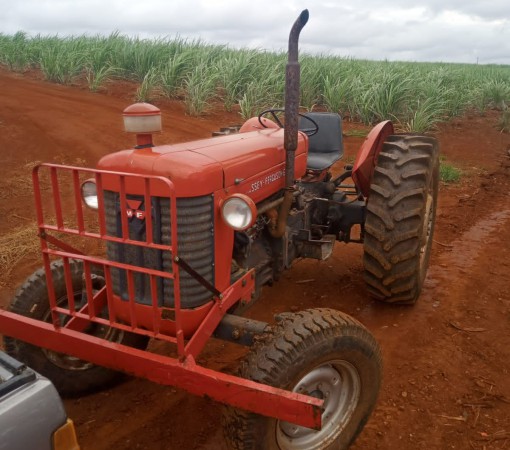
{"x": 448, "y": 173}
{"x": 416, "y": 96}
{"x": 504, "y": 121}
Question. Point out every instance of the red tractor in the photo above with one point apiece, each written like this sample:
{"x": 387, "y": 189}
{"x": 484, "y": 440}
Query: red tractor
{"x": 185, "y": 237}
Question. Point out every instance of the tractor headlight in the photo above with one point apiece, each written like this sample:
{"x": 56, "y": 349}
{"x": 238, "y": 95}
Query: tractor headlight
{"x": 89, "y": 194}
{"x": 239, "y": 211}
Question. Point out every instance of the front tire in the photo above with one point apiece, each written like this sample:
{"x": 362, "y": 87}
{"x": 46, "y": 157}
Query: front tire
{"x": 71, "y": 376}
{"x": 400, "y": 218}
{"x": 318, "y": 352}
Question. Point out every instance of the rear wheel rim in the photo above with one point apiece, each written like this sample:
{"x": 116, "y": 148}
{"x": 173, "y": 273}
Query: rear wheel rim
{"x": 428, "y": 223}
{"x": 338, "y": 384}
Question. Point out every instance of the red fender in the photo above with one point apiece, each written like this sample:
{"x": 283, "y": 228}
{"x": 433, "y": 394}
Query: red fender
{"x": 366, "y": 158}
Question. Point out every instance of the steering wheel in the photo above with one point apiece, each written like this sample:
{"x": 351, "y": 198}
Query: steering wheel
{"x": 308, "y": 131}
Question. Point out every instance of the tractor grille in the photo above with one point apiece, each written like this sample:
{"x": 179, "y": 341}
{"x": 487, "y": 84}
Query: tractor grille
{"x": 195, "y": 222}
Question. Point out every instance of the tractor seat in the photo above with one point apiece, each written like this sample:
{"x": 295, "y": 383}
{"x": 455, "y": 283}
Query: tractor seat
{"x": 326, "y": 147}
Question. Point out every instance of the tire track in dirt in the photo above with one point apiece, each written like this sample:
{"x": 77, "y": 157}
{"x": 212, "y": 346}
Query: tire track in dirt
{"x": 461, "y": 255}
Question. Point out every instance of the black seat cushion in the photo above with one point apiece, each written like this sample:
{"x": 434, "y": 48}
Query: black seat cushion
{"x": 325, "y": 147}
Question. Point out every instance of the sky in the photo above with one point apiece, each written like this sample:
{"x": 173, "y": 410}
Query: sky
{"x": 466, "y": 31}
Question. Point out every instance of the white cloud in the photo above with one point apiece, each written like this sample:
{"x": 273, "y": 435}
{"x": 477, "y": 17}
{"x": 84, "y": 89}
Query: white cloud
{"x": 429, "y": 30}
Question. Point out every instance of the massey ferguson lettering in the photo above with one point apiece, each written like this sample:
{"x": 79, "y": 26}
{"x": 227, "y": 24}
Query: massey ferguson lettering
{"x": 268, "y": 179}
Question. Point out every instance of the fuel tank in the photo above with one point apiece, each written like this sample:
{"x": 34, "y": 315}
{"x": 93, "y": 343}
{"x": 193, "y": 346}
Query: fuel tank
{"x": 252, "y": 163}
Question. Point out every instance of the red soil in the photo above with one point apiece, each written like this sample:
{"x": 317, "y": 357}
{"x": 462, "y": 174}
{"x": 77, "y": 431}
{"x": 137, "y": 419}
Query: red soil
{"x": 446, "y": 360}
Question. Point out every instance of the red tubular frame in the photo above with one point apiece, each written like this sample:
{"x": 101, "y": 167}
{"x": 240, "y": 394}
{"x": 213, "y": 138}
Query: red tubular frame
{"x": 67, "y": 336}
{"x": 235, "y": 391}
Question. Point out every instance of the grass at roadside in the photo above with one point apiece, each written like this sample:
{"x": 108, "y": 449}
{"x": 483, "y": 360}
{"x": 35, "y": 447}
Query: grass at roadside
{"x": 504, "y": 121}
{"x": 449, "y": 173}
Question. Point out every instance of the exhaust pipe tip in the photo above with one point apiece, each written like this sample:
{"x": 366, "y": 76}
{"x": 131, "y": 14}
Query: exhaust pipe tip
{"x": 294, "y": 34}
{"x": 292, "y": 88}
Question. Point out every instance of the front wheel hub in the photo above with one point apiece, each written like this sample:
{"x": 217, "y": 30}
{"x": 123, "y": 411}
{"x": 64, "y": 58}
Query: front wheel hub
{"x": 338, "y": 384}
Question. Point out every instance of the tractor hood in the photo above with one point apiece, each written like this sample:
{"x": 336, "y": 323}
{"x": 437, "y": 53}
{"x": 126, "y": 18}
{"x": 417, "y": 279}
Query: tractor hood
{"x": 201, "y": 167}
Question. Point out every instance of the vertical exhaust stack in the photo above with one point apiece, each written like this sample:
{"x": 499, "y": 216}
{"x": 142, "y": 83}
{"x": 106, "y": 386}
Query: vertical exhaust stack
{"x": 292, "y": 88}
{"x": 290, "y": 136}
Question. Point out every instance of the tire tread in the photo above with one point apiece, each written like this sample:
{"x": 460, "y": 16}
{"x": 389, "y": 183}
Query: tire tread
{"x": 284, "y": 345}
{"x": 405, "y": 168}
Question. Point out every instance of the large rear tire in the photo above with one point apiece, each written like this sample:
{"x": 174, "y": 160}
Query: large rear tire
{"x": 71, "y": 376}
{"x": 319, "y": 352}
{"x": 400, "y": 218}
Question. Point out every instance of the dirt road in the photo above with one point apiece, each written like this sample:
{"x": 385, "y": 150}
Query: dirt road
{"x": 446, "y": 360}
